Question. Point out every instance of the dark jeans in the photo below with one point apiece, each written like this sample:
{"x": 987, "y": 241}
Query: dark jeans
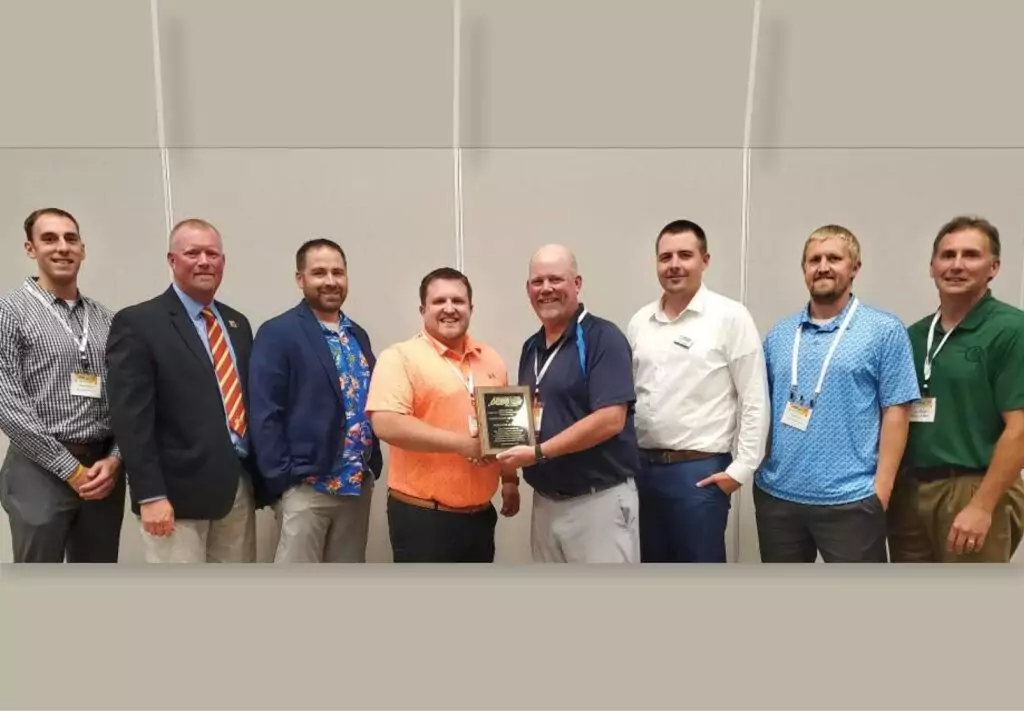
{"x": 679, "y": 522}
{"x": 420, "y": 535}
{"x": 788, "y": 532}
{"x": 50, "y": 522}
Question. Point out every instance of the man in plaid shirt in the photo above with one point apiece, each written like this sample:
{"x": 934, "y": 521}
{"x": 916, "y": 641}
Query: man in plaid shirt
{"x": 61, "y": 483}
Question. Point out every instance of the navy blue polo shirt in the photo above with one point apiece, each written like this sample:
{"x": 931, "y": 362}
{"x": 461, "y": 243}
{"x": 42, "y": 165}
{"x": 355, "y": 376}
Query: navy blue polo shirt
{"x": 569, "y": 395}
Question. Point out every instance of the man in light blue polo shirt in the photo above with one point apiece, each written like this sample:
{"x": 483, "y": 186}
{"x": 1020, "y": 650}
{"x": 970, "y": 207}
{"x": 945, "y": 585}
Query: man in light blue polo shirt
{"x": 841, "y": 380}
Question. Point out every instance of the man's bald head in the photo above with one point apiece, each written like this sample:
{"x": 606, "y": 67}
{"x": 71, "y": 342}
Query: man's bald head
{"x": 554, "y": 285}
{"x": 554, "y": 256}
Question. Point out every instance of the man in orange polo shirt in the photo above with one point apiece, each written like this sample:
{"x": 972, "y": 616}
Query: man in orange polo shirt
{"x": 420, "y": 402}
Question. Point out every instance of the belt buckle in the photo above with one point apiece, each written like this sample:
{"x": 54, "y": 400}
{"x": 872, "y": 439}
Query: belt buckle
{"x": 665, "y": 456}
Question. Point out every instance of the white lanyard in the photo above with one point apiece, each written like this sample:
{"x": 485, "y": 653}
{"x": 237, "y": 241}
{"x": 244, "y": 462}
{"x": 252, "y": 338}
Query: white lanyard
{"x": 538, "y": 376}
{"x": 466, "y": 383}
{"x": 930, "y": 357}
{"x": 828, "y": 356}
{"x": 82, "y": 342}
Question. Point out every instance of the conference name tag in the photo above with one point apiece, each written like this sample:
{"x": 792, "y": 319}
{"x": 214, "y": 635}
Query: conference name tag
{"x": 796, "y": 416}
{"x": 538, "y": 414}
{"x": 923, "y": 410}
{"x": 86, "y": 385}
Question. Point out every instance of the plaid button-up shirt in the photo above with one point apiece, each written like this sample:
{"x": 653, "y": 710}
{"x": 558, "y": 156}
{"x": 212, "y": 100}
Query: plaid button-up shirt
{"x": 37, "y": 359}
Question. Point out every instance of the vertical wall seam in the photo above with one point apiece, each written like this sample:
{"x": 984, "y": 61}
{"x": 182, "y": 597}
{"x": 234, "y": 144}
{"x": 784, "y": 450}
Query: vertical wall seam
{"x": 158, "y": 86}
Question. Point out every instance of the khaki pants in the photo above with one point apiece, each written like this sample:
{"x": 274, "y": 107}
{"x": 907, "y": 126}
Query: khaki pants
{"x": 921, "y": 514}
{"x": 231, "y": 539}
{"x": 602, "y": 527}
{"x": 321, "y": 528}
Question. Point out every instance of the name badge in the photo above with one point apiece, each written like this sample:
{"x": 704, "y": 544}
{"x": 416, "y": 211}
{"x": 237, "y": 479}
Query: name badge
{"x": 86, "y": 385}
{"x": 474, "y": 428}
{"x": 923, "y": 410}
{"x": 683, "y": 341}
{"x": 796, "y": 416}
{"x": 538, "y": 415}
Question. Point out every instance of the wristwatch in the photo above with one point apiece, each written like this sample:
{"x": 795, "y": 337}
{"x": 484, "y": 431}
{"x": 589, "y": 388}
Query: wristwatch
{"x": 539, "y": 455}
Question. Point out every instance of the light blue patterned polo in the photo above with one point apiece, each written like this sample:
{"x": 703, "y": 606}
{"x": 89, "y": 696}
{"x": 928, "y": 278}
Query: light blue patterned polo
{"x": 833, "y": 461}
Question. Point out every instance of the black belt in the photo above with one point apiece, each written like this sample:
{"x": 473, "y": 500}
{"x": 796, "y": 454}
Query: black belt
{"x": 674, "y": 456}
{"x": 927, "y": 474}
{"x": 88, "y": 453}
{"x": 562, "y": 495}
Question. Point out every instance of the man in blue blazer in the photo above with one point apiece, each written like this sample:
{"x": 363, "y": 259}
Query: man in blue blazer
{"x": 308, "y": 378}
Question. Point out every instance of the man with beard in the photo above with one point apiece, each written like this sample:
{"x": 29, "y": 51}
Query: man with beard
{"x": 960, "y": 497}
{"x": 178, "y": 404}
{"x": 308, "y": 381}
{"x": 421, "y": 403}
{"x": 700, "y": 385}
{"x": 583, "y": 468}
{"x": 61, "y": 483}
{"x": 841, "y": 379}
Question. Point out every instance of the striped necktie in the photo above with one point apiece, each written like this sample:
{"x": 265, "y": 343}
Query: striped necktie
{"x": 227, "y": 376}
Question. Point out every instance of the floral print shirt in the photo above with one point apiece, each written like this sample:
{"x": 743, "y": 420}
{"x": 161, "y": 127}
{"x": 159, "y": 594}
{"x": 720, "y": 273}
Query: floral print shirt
{"x": 346, "y": 478}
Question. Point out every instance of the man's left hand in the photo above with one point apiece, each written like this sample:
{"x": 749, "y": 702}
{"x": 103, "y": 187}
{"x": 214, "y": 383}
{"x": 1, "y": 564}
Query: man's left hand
{"x": 509, "y": 498}
{"x": 969, "y": 530}
{"x": 725, "y": 482}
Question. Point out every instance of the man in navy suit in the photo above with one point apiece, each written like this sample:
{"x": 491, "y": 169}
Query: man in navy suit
{"x": 308, "y": 379}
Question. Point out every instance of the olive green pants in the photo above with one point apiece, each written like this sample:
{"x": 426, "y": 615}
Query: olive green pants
{"x": 920, "y": 516}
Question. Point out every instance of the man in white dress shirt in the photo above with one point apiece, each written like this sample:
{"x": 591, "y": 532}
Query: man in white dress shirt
{"x": 702, "y": 397}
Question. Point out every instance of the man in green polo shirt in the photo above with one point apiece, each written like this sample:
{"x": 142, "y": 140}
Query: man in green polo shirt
{"x": 959, "y": 495}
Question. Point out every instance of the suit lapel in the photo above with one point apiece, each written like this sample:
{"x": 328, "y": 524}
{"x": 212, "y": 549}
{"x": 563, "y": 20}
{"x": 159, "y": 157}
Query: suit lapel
{"x": 310, "y": 327}
{"x": 187, "y": 330}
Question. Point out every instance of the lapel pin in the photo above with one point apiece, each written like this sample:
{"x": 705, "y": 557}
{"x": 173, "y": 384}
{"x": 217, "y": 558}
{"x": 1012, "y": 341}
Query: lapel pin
{"x": 232, "y": 324}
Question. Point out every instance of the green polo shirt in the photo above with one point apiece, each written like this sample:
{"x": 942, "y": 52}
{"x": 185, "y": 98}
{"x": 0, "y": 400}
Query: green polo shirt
{"x": 977, "y": 375}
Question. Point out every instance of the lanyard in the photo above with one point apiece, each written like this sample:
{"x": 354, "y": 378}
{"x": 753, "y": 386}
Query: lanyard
{"x": 82, "y": 342}
{"x": 828, "y": 356}
{"x": 466, "y": 383}
{"x": 539, "y": 375}
{"x": 930, "y": 357}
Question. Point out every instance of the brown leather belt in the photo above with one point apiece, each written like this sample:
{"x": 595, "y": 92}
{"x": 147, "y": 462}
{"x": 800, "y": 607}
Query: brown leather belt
{"x": 429, "y": 504}
{"x": 927, "y": 474}
{"x": 673, "y": 456}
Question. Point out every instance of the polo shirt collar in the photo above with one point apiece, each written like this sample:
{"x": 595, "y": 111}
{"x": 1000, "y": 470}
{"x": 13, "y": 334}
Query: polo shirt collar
{"x": 805, "y": 316}
{"x": 471, "y": 346}
{"x": 976, "y": 316}
{"x": 697, "y": 304}
{"x": 540, "y": 341}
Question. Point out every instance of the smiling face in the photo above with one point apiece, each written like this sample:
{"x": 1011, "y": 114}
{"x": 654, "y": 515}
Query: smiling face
{"x": 681, "y": 263}
{"x": 57, "y": 249}
{"x": 324, "y": 280}
{"x": 963, "y": 263}
{"x": 554, "y": 286}
{"x": 197, "y": 261}
{"x": 446, "y": 310}
{"x": 829, "y": 268}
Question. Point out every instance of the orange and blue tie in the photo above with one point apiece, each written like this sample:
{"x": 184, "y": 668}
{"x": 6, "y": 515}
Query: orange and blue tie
{"x": 227, "y": 376}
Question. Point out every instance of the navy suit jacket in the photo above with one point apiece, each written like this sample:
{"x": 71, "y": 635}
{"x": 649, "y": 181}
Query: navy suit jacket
{"x": 296, "y": 407}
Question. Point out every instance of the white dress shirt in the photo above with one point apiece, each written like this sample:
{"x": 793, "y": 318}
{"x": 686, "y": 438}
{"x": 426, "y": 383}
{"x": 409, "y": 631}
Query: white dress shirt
{"x": 701, "y": 382}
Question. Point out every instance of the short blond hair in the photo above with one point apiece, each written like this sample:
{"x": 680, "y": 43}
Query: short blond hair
{"x": 827, "y": 231}
{"x": 194, "y": 223}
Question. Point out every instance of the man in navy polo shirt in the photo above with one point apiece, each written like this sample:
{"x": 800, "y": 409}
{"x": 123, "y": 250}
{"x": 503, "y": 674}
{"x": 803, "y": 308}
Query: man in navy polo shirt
{"x": 579, "y": 367}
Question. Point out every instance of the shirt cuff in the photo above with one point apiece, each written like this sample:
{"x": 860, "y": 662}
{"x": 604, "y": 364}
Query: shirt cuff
{"x": 152, "y": 499}
{"x": 739, "y": 471}
{"x": 66, "y": 466}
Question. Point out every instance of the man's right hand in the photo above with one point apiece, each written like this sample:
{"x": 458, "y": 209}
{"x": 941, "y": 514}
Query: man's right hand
{"x": 470, "y": 449}
{"x": 157, "y": 517}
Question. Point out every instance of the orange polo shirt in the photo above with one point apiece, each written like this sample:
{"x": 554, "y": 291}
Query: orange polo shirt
{"x": 420, "y": 377}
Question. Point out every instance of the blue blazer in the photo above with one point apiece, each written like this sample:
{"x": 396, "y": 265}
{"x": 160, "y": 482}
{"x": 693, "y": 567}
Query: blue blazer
{"x": 296, "y": 407}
